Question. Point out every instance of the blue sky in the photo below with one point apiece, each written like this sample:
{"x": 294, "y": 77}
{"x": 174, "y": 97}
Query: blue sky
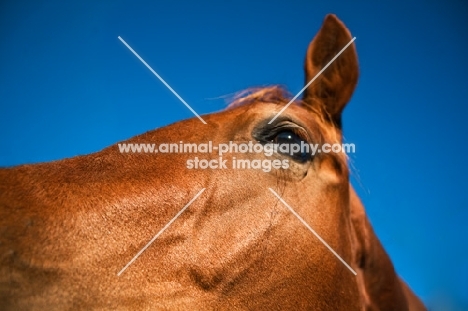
{"x": 68, "y": 86}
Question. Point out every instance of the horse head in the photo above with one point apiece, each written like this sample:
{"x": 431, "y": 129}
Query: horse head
{"x": 218, "y": 217}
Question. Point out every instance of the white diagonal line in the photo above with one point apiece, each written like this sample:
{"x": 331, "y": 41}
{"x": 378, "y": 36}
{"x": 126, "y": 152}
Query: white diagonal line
{"x": 313, "y": 231}
{"x": 160, "y": 232}
{"x": 162, "y": 80}
{"x": 313, "y": 79}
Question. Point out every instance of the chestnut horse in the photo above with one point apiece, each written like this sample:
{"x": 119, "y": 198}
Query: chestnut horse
{"x": 68, "y": 227}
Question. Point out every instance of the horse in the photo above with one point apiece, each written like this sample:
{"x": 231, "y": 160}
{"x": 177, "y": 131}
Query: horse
{"x": 228, "y": 238}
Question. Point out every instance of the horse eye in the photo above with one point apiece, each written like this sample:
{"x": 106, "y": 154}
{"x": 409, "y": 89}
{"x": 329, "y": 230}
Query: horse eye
{"x": 292, "y": 145}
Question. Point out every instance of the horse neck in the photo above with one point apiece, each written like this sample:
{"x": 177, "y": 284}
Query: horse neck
{"x": 379, "y": 284}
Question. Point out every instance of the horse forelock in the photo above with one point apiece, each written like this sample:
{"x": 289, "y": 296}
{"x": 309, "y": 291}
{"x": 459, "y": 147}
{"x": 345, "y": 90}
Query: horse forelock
{"x": 271, "y": 94}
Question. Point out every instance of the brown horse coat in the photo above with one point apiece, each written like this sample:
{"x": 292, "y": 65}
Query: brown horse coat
{"x": 68, "y": 227}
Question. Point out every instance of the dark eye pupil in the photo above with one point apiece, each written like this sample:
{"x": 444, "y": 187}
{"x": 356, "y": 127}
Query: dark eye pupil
{"x": 290, "y": 144}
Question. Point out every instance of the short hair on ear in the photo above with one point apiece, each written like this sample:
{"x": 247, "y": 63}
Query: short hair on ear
{"x": 332, "y": 90}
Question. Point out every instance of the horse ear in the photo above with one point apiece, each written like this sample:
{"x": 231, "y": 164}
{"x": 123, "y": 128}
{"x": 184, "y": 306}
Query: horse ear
{"x": 334, "y": 87}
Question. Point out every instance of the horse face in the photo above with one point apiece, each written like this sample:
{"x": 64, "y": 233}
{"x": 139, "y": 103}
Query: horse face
{"x": 249, "y": 245}
{"x": 238, "y": 244}
{"x": 68, "y": 227}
